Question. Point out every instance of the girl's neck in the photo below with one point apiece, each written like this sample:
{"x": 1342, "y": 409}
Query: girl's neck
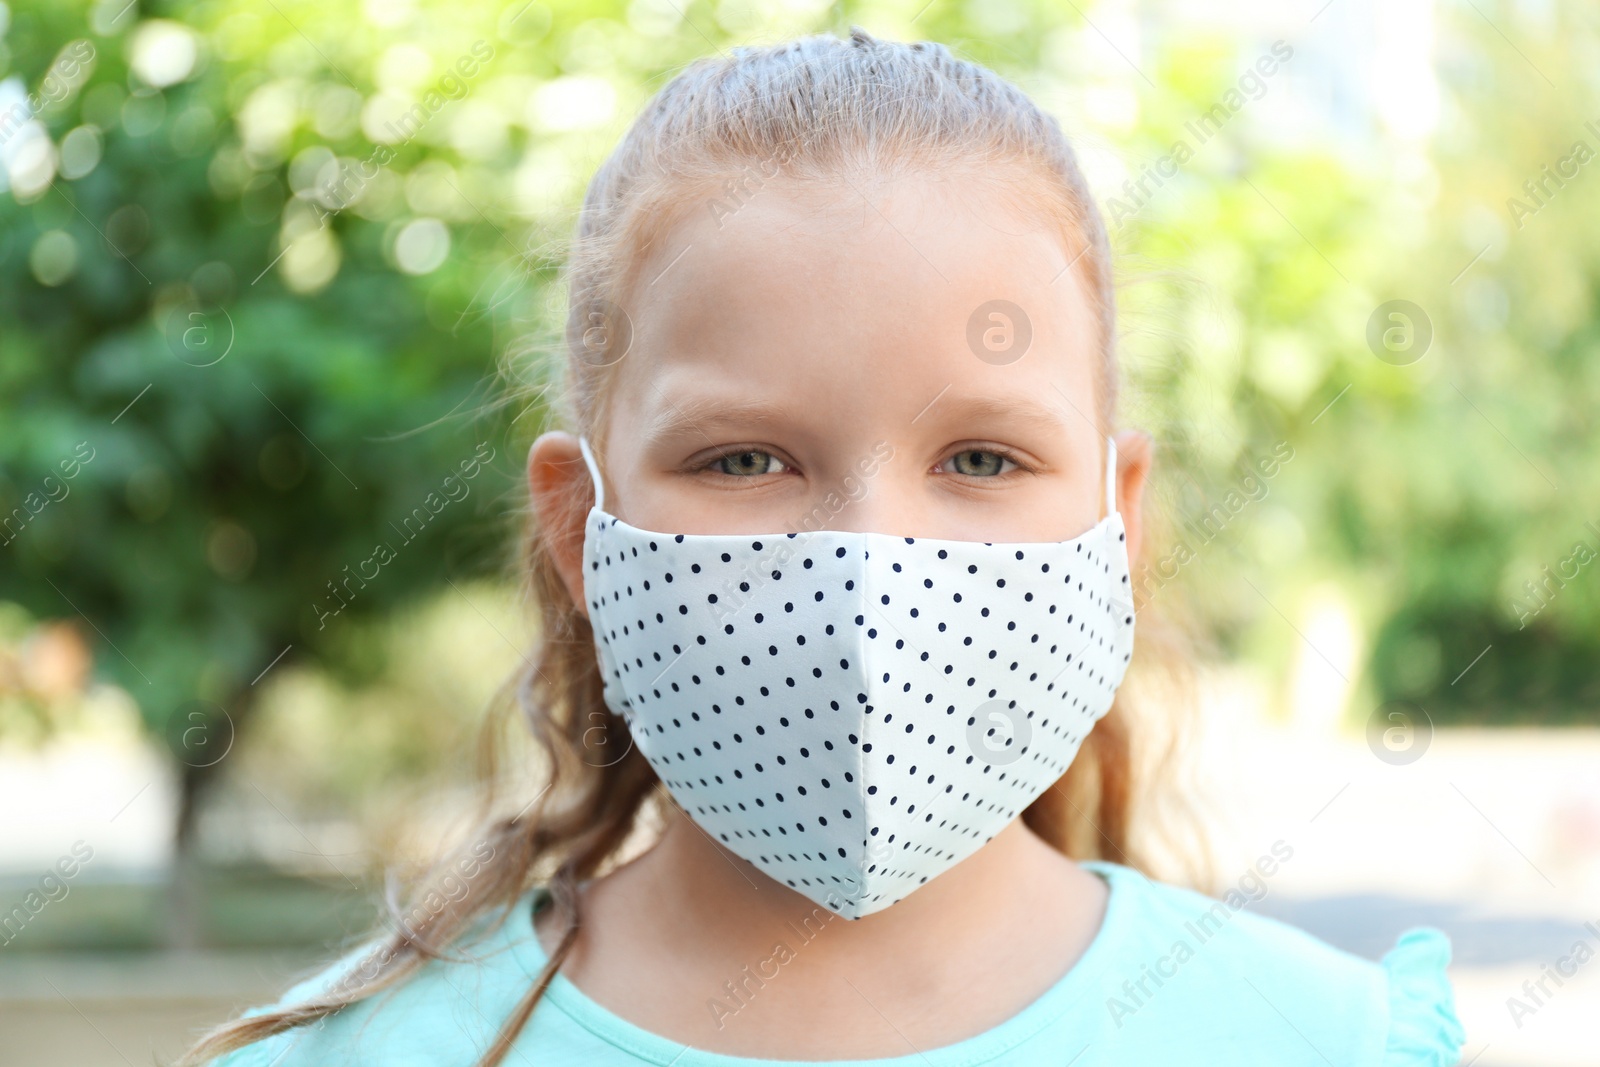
{"x": 663, "y": 935}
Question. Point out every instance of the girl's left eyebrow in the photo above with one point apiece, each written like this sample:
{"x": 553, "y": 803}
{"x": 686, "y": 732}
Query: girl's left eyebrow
{"x": 1020, "y": 411}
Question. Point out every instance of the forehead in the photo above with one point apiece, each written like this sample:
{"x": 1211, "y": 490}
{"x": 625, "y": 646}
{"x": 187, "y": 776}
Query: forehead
{"x": 883, "y": 290}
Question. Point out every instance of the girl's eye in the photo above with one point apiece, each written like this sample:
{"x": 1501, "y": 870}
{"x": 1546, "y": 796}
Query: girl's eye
{"x": 748, "y": 464}
{"x": 981, "y": 463}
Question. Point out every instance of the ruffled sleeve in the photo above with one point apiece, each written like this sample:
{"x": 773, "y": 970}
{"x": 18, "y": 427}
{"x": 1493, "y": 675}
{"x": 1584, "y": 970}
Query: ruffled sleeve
{"x": 1423, "y": 1028}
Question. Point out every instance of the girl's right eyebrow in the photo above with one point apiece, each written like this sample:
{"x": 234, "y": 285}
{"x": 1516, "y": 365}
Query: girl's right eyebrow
{"x": 697, "y": 414}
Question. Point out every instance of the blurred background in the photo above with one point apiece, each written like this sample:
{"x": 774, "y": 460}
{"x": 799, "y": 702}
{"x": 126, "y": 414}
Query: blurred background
{"x": 271, "y": 271}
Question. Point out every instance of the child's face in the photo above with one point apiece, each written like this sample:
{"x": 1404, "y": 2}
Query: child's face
{"x": 815, "y": 360}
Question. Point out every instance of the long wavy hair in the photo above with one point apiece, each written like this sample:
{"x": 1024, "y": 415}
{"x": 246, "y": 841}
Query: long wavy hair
{"x": 819, "y": 107}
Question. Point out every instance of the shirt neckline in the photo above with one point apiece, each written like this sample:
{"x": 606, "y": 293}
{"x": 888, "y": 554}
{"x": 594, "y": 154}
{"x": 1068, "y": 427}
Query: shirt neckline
{"x": 653, "y": 1048}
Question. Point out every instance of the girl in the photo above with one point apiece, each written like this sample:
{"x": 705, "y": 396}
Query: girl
{"x": 836, "y": 579}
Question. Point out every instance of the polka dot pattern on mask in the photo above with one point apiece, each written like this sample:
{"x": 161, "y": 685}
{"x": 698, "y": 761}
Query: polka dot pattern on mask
{"x": 855, "y": 713}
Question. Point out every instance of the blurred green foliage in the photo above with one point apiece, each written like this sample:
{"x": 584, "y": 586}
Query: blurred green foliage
{"x": 243, "y": 907}
{"x": 256, "y": 435}
{"x": 274, "y": 252}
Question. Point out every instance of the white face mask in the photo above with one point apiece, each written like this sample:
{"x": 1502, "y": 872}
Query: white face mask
{"x": 855, "y": 713}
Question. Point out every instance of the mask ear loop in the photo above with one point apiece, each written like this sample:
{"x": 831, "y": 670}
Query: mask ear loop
{"x": 594, "y": 473}
{"x": 1111, "y": 477}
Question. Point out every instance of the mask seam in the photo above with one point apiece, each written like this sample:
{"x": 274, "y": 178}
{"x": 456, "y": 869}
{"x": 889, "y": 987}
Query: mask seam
{"x": 860, "y": 647}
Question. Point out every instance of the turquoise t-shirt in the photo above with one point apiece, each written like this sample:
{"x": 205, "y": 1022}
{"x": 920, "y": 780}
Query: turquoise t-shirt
{"x": 1173, "y": 977}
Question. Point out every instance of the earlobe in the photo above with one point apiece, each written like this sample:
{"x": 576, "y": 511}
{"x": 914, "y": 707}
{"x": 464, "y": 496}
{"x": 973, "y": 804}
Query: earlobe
{"x": 558, "y": 484}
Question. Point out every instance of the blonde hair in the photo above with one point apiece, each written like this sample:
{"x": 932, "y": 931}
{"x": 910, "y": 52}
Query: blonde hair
{"x": 815, "y": 108}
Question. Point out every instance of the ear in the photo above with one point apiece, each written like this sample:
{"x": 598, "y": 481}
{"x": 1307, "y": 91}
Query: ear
{"x": 561, "y": 491}
{"x": 1134, "y": 456}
